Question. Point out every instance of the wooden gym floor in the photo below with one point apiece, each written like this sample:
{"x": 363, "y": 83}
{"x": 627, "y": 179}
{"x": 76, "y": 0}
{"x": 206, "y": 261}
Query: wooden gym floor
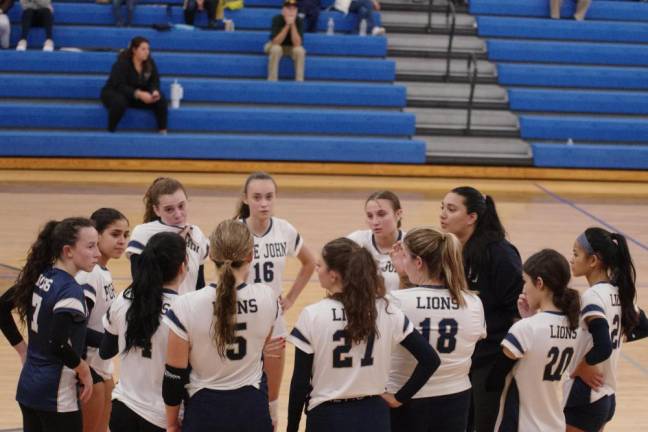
{"x": 535, "y": 214}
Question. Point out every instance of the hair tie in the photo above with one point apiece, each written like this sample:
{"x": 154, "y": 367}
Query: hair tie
{"x": 585, "y": 244}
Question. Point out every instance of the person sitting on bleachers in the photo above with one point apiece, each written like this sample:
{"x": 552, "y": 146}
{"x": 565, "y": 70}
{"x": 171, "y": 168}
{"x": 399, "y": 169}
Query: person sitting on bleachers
{"x": 581, "y": 9}
{"x": 36, "y": 12}
{"x": 286, "y": 38}
{"x": 5, "y": 24}
{"x": 311, "y": 11}
{"x": 364, "y": 9}
{"x": 192, "y": 6}
{"x": 130, "y": 7}
{"x": 134, "y": 82}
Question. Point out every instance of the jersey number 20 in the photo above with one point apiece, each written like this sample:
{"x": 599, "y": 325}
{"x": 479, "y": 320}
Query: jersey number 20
{"x": 554, "y": 371}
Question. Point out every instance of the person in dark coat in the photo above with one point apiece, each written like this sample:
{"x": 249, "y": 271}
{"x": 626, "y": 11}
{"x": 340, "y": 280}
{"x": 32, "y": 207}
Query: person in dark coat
{"x": 134, "y": 82}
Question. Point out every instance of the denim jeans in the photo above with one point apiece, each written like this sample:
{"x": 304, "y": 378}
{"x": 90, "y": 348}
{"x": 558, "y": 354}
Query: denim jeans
{"x": 364, "y": 9}
{"x": 130, "y": 5}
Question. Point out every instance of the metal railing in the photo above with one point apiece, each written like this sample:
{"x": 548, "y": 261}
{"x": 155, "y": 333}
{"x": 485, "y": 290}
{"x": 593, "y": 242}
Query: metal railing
{"x": 473, "y": 72}
{"x": 429, "y": 23}
{"x": 451, "y": 12}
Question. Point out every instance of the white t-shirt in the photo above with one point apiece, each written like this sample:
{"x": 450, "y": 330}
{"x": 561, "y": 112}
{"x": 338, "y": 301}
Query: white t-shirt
{"x": 544, "y": 346}
{"x": 191, "y": 318}
{"x": 197, "y": 248}
{"x": 341, "y": 369}
{"x": 366, "y": 239}
{"x": 451, "y": 330}
{"x": 141, "y": 374}
{"x": 599, "y": 301}
{"x": 102, "y": 295}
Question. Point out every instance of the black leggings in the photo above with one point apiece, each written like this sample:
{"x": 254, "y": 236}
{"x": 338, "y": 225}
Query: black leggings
{"x": 192, "y": 7}
{"x": 116, "y": 104}
{"x": 47, "y": 421}
{"x": 42, "y": 17}
{"x": 123, "y": 419}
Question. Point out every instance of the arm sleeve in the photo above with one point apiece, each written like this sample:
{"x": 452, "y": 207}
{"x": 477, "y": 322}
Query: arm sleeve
{"x": 602, "y": 349}
{"x": 119, "y": 76}
{"x": 7, "y": 323}
{"x": 640, "y": 331}
{"x": 93, "y": 338}
{"x": 200, "y": 282}
{"x": 58, "y": 341}
{"x": 154, "y": 82}
{"x": 519, "y": 339}
{"x": 497, "y": 376}
{"x": 428, "y": 362}
{"x": 299, "y": 388}
{"x": 592, "y": 305}
{"x": 300, "y": 336}
{"x": 109, "y": 346}
{"x": 175, "y": 318}
{"x": 508, "y": 281}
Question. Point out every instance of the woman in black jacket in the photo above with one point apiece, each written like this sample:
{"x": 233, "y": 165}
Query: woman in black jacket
{"x": 494, "y": 270}
{"x": 134, "y": 82}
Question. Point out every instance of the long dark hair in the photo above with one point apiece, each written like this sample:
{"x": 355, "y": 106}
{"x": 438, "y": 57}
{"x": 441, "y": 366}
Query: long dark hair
{"x": 361, "y": 286}
{"x": 230, "y": 248}
{"x": 127, "y": 54}
{"x": 388, "y": 196}
{"x": 488, "y": 228}
{"x": 158, "y": 264}
{"x": 42, "y": 255}
{"x": 612, "y": 250}
{"x": 554, "y": 270}
{"x": 160, "y": 186}
{"x": 242, "y": 209}
{"x": 104, "y": 217}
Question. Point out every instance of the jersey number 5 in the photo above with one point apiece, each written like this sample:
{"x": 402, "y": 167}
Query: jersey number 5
{"x": 239, "y": 347}
{"x": 551, "y": 374}
{"x": 267, "y": 275}
{"x": 341, "y": 361}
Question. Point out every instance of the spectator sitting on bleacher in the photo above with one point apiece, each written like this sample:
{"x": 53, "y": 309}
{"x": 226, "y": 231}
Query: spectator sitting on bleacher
{"x": 192, "y": 6}
{"x": 5, "y": 24}
{"x": 134, "y": 82}
{"x": 311, "y": 11}
{"x": 286, "y": 38}
{"x": 364, "y": 9}
{"x": 116, "y": 7}
{"x": 581, "y": 9}
{"x": 36, "y": 12}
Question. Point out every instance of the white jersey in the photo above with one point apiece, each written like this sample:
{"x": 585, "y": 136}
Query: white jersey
{"x": 599, "y": 301}
{"x": 197, "y": 248}
{"x": 452, "y": 331}
{"x": 102, "y": 295}
{"x": 191, "y": 318}
{"x": 270, "y": 251}
{"x": 544, "y": 346}
{"x": 365, "y": 238}
{"x": 342, "y": 369}
{"x": 142, "y": 371}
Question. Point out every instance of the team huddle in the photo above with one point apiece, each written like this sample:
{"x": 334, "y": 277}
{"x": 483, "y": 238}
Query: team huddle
{"x": 419, "y": 330}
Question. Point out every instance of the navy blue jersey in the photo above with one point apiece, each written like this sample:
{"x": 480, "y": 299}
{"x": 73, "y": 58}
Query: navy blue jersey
{"x": 45, "y": 383}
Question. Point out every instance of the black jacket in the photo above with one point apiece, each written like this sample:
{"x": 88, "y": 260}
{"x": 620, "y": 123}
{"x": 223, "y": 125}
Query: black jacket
{"x": 124, "y": 79}
{"x": 5, "y": 5}
{"x": 499, "y": 283}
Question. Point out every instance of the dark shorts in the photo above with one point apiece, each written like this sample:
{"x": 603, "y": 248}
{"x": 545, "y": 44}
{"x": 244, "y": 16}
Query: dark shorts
{"x": 591, "y": 417}
{"x": 96, "y": 378}
{"x": 46, "y": 421}
{"x": 447, "y": 413}
{"x": 124, "y": 419}
{"x": 369, "y": 414}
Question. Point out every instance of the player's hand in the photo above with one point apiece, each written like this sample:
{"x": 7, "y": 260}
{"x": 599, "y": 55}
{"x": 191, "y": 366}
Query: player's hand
{"x": 376, "y": 5}
{"x": 185, "y": 232}
{"x": 589, "y": 374}
{"x": 396, "y": 255}
{"x": 523, "y": 306}
{"x": 391, "y": 400}
{"x": 286, "y": 303}
{"x": 85, "y": 379}
{"x": 145, "y": 97}
{"x": 155, "y": 95}
{"x": 273, "y": 348}
{"x": 174, "y": 428}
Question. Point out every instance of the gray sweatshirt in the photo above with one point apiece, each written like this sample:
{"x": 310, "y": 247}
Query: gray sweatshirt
{"x": 35, "y": 4}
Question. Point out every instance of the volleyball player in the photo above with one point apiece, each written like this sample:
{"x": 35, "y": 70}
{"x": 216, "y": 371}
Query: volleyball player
{"x": 133, "y": 330}
{"x": 343, "y": 348}
{"x": 383, "y": 215}
{"x": 494, "y": 270}
{"x": 275, "y": 239}
{"x": 451, "y": 319}
{"x": 52, "y": 305}
{"x": 608, "y": 313}
{"x": 113, "y": 230}
{"x": 538, "y": 349}
{"x": 220, "y": 331}
{"x": 166, "y": 209}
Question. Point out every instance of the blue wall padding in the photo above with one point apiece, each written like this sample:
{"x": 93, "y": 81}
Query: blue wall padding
{"x": 247, "y": 120}
{"x": 187, "y": 146}
{"x": 217, "y": 91}
{"x": 202, "y": 40}
{"x": 178, "y": 64}
{"x": 521, "y": 99}
{"x": 590, "y": 156}
{"x": 568, "y": 52}
{"x": 599, "y": 10}
{"x": 595, "y": 129}
{"x": 533, "y": 28}
{"x": 572, "y": 76}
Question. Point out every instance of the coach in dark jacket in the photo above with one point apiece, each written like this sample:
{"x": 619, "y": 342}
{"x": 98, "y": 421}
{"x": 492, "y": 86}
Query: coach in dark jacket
{"x": 134, "y": 82}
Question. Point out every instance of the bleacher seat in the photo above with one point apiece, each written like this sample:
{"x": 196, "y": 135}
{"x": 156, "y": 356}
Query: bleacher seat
{"x": 578, "y": 101}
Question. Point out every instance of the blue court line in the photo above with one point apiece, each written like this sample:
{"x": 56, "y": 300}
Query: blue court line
{"x": 576, "y": 207}
{"x": 592, "y": 216}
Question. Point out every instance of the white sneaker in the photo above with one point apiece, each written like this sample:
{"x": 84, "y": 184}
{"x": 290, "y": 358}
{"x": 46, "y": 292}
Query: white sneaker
{"x": 378, "y": 31}
{"x": 48, "y": 45}
{"x": 22, "y": 45}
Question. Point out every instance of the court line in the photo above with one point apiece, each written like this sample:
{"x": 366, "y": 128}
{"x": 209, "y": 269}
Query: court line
{"x": 576, "y": 207}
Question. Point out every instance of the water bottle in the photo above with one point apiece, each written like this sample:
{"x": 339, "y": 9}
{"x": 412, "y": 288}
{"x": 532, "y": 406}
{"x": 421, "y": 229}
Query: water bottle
{"x": 330, "y": 28}
{"x": 177, "y": 93}
{"x": 570, "y": 142}
{"x": 363, "y": 28}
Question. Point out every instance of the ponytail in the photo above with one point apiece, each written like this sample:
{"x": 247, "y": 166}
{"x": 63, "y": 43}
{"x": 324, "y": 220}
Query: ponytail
{"x": 159, "y": 263}
{"x": 569, "y": 303}
{"x": 160, "y": 186}
{"x": 242, "y": 209}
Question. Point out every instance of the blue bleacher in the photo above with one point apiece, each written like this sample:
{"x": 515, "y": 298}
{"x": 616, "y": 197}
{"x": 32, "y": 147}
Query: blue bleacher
{"x": 578, "y": 101}
{"x": 590, "y": 155}
{"x": 584, "y": 129}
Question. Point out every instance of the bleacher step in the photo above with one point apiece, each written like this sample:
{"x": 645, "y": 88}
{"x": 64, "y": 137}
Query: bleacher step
{"x": 483, "y": 119}
{"x": 416, "y": 22}
{"x": 477, "y": 150}
{"x": 417, "y": 69}
{"x": 455, "y": 95}
{"x": 401, "y": 44}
